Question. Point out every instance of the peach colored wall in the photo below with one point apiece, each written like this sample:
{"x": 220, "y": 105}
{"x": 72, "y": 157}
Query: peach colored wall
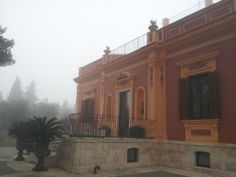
{"x": 139, "y": 80}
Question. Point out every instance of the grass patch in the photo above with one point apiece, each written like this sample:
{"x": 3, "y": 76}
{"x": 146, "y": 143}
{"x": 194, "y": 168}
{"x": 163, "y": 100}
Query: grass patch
{"x": 7, "y": 141}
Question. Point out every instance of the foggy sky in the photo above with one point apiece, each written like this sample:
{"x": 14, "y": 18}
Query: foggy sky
{"x": 53, "y": 38}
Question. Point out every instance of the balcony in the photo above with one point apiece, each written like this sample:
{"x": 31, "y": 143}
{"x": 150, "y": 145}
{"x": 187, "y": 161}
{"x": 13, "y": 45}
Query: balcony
{"x": 107, "y": 126}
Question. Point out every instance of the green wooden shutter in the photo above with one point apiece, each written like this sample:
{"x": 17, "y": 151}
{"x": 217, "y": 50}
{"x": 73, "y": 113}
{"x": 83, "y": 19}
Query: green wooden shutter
{"x": 184, "y": 99}
{"x": 214, "y": 95}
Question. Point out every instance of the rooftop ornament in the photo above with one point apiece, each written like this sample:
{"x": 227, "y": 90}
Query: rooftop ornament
{"x": 153, "y": 26}
{"x": 107, "y": 50}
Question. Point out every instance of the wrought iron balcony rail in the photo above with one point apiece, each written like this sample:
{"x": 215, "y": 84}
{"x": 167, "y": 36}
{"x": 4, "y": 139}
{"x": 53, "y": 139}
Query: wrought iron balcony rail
{"x": 107, "y": 126}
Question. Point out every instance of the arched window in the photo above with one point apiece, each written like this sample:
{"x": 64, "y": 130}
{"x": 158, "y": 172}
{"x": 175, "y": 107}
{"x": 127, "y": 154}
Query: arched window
{"x": 140, "y": 103}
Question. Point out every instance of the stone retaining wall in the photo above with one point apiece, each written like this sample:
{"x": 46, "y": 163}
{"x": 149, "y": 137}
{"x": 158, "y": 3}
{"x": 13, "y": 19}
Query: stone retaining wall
{"x": 80, "y": 155}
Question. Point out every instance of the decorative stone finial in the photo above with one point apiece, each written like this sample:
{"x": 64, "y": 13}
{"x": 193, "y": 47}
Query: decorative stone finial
{"x": 153, "y": 26}
{"x": 107, "y": 50}
{"x": 165, "y": 22}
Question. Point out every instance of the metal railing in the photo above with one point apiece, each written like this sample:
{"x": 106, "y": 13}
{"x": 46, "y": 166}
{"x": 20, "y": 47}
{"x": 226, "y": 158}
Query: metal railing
{"x": 106, "y": 126}
{"x": 196, "y": 7}
{"x": 131, "y": 46}
{"x": 142, "y": 40}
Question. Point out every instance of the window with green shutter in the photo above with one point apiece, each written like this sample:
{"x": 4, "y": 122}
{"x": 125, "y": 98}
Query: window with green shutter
{"x": 199, "y": 96}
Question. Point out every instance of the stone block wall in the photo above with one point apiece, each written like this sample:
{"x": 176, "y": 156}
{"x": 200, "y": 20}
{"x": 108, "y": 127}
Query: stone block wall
{"x": 83, "y": 154}
{"x": 79, "y": 155}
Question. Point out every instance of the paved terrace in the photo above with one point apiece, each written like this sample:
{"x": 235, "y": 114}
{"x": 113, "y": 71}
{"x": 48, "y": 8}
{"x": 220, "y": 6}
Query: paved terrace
{"x": 11, "y": 168}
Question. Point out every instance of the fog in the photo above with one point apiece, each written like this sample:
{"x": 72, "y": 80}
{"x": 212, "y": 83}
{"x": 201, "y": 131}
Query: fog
{"x": 53, "y": 38}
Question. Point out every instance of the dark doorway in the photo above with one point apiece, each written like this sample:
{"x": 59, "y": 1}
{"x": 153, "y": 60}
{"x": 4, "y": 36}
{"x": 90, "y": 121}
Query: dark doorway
{"x": 87, "y": 111}
{"x": 124, "y": 105}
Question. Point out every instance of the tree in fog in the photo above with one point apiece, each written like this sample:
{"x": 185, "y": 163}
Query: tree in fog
{"x": 15, "y": 108}
{"x": 45, "y": 109}
{"x": 65, "y": 110}
{"x": 30, "y": 94}
{"x": 20, "y": 106}
{"x": 6, "y": 45}
{"x": 16, "y": 92}
{"x": 1, "y": 97}
{"x": 3, "y": 118}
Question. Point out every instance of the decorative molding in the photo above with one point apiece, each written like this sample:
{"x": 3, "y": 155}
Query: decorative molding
{"x": 172, "y": 32}
{"x": 200, "y": 64}
{"x": 88, "y": 94}
{"x": 221, "y": 12}
{"x": 89, "y": 83}
{"x": 204, "y": 131}
{"x": 124, "y": 80}
{"x": 195, "y": 22}
{"x": 199, "y": 58}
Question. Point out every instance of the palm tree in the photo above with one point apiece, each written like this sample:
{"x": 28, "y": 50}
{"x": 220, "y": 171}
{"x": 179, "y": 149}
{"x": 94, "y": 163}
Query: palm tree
{"x": 42, "y": 132}
{"x": 20, "y": 131}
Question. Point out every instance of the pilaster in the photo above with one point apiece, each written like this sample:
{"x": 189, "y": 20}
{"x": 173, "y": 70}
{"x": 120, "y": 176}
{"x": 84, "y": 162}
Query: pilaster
{"x": 151, "y": 89}
{"x": 101, "y": 94}
{"x": 161, "y": 97}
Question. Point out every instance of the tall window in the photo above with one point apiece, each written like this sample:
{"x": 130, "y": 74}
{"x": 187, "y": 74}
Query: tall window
{"x": 199, "y": 97}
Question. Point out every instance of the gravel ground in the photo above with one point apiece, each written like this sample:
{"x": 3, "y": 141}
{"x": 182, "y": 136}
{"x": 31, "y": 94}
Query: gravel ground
{"x": 5, "y": 169}
{"x": 7, "y": 152}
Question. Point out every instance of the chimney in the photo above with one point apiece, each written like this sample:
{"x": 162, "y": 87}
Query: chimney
{"x": 208, "y": 3}
{"x": 165, "y": 22}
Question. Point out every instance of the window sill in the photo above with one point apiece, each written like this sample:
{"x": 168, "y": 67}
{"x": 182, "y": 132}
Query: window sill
{"x": 201, "y": 130}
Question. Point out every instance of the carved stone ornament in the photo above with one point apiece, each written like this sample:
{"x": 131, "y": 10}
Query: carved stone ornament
{"x": 107, "y": 51}
{"x": 123, "y": 75}
{"x": 153, "y": 26}
{"x": 199, "y": 64}
{"x": 124, "y": 80}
